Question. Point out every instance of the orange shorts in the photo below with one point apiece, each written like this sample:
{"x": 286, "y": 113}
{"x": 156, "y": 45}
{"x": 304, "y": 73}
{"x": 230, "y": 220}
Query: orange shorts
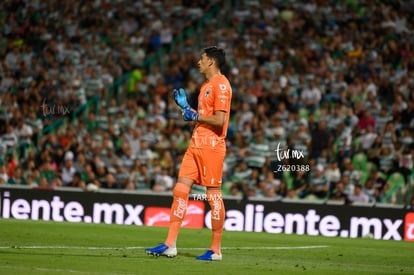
{"x": 204, "y": 164}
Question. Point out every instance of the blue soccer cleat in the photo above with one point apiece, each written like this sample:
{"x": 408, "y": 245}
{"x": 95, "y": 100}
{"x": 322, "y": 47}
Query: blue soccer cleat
{"x": 162, "y": 250}
{"x": 209, "y": 256}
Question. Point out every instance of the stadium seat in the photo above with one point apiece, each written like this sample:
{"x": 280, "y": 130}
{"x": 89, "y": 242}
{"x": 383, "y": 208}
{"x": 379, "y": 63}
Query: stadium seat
{"x": 303, "y": 113}
{"x": 395, "y": 193}
{"x": 289, "y": 179}
{"x": 317, "y": 114}
{"x": 48, "y": 174}
{"x": 360, "y": 161}
{"x": 409, "y": 189}
{"x": 382, "y": 175}
{"x": 356, "y": 143}
{"x": 335, "y": 146}
{"x": 371, "y": 166}
{"x": 364, "y": 176}
{"x": 226, "y": 187}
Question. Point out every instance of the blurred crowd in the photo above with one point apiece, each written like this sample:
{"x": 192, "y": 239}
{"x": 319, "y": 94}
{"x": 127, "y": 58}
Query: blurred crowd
{"x": 333, "y": 80}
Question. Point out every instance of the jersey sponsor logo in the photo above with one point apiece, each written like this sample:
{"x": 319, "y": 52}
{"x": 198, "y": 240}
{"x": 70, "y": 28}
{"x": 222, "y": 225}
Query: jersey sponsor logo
{"x": 160, "y": 216}
{"x": 223, "y": 87}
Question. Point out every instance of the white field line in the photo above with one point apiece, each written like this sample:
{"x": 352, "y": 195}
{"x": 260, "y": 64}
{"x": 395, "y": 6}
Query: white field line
{"x": 181, "y": 248}
{"x": 55, "y": 270}
{"x": 68, "y": 271}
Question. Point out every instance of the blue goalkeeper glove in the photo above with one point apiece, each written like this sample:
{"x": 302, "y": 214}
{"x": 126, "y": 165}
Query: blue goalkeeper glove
{"x": 181, "y": 99}
{"x": 189, "y": 114}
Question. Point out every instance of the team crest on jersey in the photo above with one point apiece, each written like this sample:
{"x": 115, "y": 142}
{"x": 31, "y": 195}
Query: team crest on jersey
{"x": 207, "y": 93}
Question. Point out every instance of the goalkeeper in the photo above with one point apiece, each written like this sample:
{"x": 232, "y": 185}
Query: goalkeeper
{"x": 203, "y": 161}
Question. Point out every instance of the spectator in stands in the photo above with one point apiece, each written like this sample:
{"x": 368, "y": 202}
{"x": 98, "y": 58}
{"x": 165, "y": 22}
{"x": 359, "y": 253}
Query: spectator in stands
{"x": 372, "y": 75}
{"x": 370, "y": 190}
{"x": 127, "y": 158}
{"x": 258, "y": 151}
{"x": 324, "y": 158}
{"x": 387, "y": 159}
{"x": 270, "y": 182}
{"x": 407, "y": 115}
{"x": 334, "y": 118}
{"x": 350, "y": 171}
{"x": 17, "y": 177}
{"x": 406, "y": 138}
{"x": 167, "y": 161}
{"x": 300, "y": 140}
{"x": 119, "y": 175}
{"x": 300, "y": 184}
{"x": 318, "y": 185}
{"x": 44, "y": 184}
{"x": 3, "y": 174}
{"x": 311, "y": 96}
{"x": 10, "y": 138}
{"x": 366, "y": 120}
{"x": 367, "y": 139}
{"x": 347, "y": 184}
{"x": 242, "y": 171}
{"x": 344, "y": 146}
{"x": 235, "y": 191}
{"x": 145, "y": 179}
{"x": 338, "y": 193}
{"x": 380, "y": 184}
{"x": 388, "y": 137}
{"x": 24, "y": 134}
{"x": 77, "y": 181}
{"x": 281, "y": 190}
{"x": 382, "y": 119}
{"x": 405, "y": 159}
{"x": 332, "y": 174}
{"x": 358, "y": 196}
{"x": 68, "y": 171}
{"x": 112, "y": 182}
{"x": 321, "y": 139}
{"x": 163, "y": 181}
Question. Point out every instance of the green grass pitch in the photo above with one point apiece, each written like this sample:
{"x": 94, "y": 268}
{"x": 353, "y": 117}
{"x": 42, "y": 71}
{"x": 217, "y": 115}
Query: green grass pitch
{"x": 35, "y": 247}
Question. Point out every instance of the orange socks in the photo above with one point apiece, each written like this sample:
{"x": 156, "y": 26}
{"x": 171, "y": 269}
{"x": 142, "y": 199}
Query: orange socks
{"x": 215, "y": 201}
{"x": 178, "y": 210}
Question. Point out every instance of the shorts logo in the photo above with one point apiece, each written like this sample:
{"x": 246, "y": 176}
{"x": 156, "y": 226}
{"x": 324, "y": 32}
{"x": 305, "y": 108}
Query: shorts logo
{"x": 409, "y": 227}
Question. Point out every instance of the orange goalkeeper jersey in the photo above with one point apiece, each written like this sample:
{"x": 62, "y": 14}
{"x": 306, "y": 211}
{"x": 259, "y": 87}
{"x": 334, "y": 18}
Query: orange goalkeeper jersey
{"x": 215, "y": 95}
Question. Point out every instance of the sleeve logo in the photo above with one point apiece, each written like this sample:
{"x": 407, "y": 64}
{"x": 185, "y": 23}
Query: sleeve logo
{"x": 223, "y": 87}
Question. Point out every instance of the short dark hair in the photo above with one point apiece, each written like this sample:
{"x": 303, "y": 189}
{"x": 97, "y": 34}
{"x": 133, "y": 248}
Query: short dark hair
{"x": 217, "y": 54}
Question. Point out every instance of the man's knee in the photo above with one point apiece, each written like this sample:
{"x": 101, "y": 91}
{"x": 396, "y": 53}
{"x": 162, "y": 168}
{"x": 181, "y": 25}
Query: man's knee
{"x": 181, "y": 189}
